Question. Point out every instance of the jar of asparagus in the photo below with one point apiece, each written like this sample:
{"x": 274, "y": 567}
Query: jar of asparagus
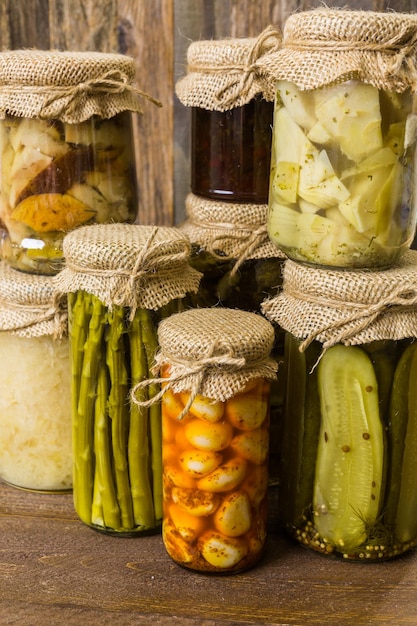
{"x": 348, "y": 475}
{"x": 121, "y": 279}
{"x": 215, "y": 369}
{"x": 66, "y": 149}
{"x": 35, "y": 384}
{"x": 344, "y": 138}
{"x": 231, "y": 117}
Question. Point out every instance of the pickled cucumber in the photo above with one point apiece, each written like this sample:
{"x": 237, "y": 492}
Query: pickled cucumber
{"x": 401, "y": 505}
{"x": 349, "y": 466}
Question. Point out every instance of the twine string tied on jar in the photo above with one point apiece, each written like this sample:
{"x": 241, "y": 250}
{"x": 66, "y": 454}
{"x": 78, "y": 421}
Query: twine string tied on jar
{"x": 67, "y": 98}
{"x": 22, "y": 317}
{"x": 225, "y": 362}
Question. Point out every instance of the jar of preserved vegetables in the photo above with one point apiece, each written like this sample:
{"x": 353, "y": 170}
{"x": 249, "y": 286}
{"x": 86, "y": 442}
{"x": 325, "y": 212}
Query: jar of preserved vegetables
{"x": 35, "y": 384}
{"x": 215, "y": 368}
{"x": 66, "y": 146}
{"x": 231, "y": 117}
{"x": 344, "y": 140}
{"x": 348, "y": 475}
{"x": 120, "y": 280}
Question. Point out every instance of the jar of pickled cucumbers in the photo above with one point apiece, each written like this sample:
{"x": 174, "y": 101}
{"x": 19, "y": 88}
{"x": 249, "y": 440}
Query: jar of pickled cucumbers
{"x": 66, "y": 146}
{"x": 35, "y": 384}
{"x": 348, "y": 475}
{"x": 215, "y": 369}
{"x": 121, "y": 279}
{"x": 344, "y": 138}
{"x": 231, "y": 117}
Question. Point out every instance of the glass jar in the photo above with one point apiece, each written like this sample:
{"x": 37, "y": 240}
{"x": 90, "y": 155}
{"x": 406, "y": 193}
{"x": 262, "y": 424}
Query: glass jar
{"x": 342, "y": 174}
{"x": 67, "y": 150}
{"x": 215, "y": 438}
{"x": 347, "y": 481}
{"x": 35, "y": 385}
{"x": 231, "y": 152}
{"x": 121, "y": 280}
{"x": 348, "y": 478}
{"x": 231, "y": 117}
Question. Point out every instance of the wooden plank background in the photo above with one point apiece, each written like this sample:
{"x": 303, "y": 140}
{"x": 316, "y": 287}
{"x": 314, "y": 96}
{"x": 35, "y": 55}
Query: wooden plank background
{"x": 157, "y": 35}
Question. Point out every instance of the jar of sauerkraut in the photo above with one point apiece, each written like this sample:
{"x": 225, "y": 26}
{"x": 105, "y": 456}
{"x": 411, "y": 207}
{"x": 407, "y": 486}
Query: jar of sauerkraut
{"x": 66, "y": 144}
{"x": 348, "y": 476}
{"x": 344, "y": 138}
{"x": 121, "y": 279}
{"x": 231, "y": 117}
{"x": 35, "y": 383}
{"x": 215, "y": 373}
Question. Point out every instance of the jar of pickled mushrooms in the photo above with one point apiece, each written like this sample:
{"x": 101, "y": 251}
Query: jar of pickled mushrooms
{"x": 121, "y": 279}
{"x": 35, "y": 384}
{"x": 66, "y": 147}
{"x": 348, "y": 475}
{"x": 344, "y": 138}
{"x": 215, "y": 373}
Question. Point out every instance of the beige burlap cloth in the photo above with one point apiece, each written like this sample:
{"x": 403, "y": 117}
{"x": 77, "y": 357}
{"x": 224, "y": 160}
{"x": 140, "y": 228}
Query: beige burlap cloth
{"x": 214, "y": 352}
{"x": 323, "y": 46}
{"x": 225, "y": 73}
{"x": 29, "y": 306}
{"x": 229, "y": 229}
{"x": 349, "y": 307}
{"x": 69, "y": 86}
{"x": 128, "y": 265}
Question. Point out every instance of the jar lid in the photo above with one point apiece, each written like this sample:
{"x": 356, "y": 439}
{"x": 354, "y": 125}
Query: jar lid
{"x": 215, "y": 351}
{"x": 347, "y": 306}
{"x": 322, "y": 46}
{"x": 225, "y": 73}
{"x": 29, "y": 306}
{"x": 69, "y": 86}
{"x": 128, "y": 265}
{"x": 231, "y": 229}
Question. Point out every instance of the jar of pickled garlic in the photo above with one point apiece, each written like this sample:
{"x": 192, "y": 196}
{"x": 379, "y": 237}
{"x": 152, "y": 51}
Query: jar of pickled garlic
{"x": 35, "y": 384}
{"x": 216, "y": 370}
{"x": 66, "y": 146}
{"x": 344, "y": 139}
{"x": 120, "y": 280}
{"x": 348, "y": 476}
{"x": 231, "y": 117}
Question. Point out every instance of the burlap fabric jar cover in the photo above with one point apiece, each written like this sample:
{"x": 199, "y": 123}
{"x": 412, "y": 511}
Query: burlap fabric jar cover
{"x": 120, "y": 280}
{"x": 35, "y": 415}
{"x": 67, "y": 151}
{"x": 215, "y": 368}
{"x": 231, "y": 116}
{"x": 342, "y": 176}
{"x": 347, "y": 474}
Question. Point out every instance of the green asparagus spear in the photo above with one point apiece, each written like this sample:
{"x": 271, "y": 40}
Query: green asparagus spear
{"x": 118, "y": 408}
{"x": 138, "y": 445}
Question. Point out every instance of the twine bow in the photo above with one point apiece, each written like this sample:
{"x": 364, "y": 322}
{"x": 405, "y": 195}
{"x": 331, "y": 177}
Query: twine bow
{"x": 195, "y": 370}
{"x": 358, "y": 315}
{"x": 67, "y": 98}
{"x": 27, "y": 316}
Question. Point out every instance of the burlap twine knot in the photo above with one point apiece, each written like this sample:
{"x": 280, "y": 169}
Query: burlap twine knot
{"x": 322, "y": 46}
{"x": 128, "y": 265}
{"x": 69, "y": 96}
{"x": 349, "y": 307}
{"x": 214, "y": 352}
{"x": 227, "y": 73}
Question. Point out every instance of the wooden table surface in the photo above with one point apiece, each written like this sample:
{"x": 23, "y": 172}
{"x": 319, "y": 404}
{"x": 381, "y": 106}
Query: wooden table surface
{"x": 55, "y": 570}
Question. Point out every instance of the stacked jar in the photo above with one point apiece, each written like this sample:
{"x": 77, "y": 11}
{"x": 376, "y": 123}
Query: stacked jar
{"x": 226, "y": 211}
{"x": 66, "y": 160}
{"x": 342, "y": 207}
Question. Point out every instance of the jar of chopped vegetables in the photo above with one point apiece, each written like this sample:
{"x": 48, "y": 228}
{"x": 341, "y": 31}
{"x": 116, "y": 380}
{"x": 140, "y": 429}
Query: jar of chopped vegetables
{"x": 344, "y": 139}
{"x": 66, "y": 146}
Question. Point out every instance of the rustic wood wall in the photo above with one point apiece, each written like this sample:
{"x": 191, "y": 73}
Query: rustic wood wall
{"x": 157, "y": 34}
